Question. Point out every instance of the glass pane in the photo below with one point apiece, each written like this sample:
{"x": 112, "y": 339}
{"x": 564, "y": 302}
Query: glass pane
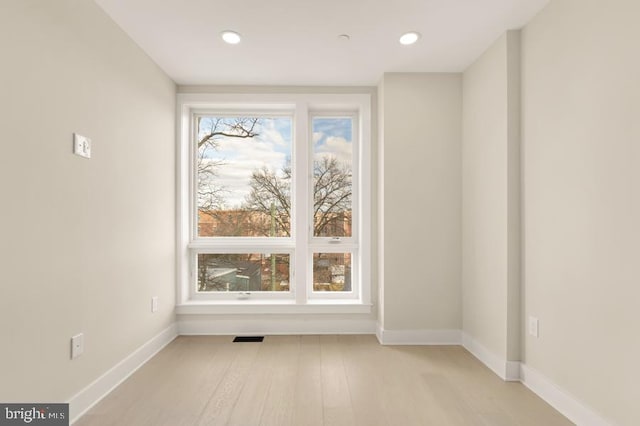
{"x": 332, "y": 172}
{"x": 243, "y": 272}
{"x": 244, "y": 176}
{"x": 332, "y": 272}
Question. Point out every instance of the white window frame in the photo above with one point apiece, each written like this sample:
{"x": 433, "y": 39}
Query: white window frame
{"x": 302, "y": 244}
{"x": 343, "y": 244}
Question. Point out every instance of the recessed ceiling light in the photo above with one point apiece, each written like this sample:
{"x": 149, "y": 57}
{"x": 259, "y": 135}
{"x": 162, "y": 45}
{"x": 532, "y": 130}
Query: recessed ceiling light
{"x": 344, "y": 37}
{"x": 409, "y": 38}
{"x": 231, "y": 37}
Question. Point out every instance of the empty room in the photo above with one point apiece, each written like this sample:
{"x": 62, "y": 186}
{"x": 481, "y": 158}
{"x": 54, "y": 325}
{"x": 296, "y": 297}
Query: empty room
{"x": 339, "y": 212}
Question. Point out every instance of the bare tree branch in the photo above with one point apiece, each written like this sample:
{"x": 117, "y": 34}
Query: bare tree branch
{"x": 211, "y": 195}
{"x": 332, "y": 191}
{"x": 238, "y": 128}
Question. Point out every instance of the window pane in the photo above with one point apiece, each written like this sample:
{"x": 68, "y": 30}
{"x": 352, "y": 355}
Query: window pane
{"x": 244, "y": 176}
{"x": 332, "y": 172}
{"x": 243, "y": 272}
{"x": 332, "y": 272}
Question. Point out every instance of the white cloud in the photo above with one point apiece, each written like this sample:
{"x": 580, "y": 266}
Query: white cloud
{"x": 273, "y": 136}
{"x": 241, "y": 157}
{"x": 337, "y": 147}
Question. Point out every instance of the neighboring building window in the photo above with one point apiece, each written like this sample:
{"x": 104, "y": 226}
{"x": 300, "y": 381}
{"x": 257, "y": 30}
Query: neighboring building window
{"x": 275, "y": 199}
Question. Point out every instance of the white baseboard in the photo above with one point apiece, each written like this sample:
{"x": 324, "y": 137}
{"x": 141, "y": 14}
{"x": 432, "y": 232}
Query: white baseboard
{"x": 274, "y": 326}
{"x": 418, "y": 337}
{"x": 507, "y": 370}
{"x": 81, "y": 402}
{"x": 512, "y": 371}
{"x": 559, "y": 399}
{"x": 379, "y": 332}
{"x": 565, "y": 403}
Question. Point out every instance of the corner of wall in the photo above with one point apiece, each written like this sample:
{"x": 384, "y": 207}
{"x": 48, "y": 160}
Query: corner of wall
{"x": 507, "y": 370}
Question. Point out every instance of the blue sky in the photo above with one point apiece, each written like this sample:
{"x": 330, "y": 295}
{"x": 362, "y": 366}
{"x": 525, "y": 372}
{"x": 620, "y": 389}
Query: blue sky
{"x": 335, "y": 127}
{"x": 333, "y": 137}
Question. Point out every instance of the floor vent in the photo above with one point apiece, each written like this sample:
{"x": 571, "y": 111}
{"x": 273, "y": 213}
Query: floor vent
{"x": 248, "y": 339}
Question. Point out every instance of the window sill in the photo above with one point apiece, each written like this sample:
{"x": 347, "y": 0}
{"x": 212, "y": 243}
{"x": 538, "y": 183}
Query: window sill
{"x": 212, "y": 307}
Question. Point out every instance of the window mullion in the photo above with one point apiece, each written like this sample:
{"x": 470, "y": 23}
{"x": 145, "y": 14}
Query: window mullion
{"x": 301, "y": 201}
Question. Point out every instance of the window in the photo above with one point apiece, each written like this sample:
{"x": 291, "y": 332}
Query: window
{"x": 274, "y": 200}
{"x": 333, "y": 175}
{"x": 243, "y": 175}
{"x": 243, "y": 272}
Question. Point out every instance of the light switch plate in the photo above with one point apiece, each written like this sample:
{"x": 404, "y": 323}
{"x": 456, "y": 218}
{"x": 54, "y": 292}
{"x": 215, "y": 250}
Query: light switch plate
{"x": 533, "y": 326}
{"x": 77, "y": 345}
{"x": 154, "y": 304}
{"x": 81, "y": 145}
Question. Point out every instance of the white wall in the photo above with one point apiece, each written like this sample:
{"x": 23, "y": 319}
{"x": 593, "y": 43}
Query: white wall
{"x": 581, "y": 145}
{"x": 491, "y": 199}
{"x": 85, "y": 244}
{"x": 421, "y": 138}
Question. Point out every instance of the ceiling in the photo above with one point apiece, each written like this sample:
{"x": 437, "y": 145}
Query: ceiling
{"x": 295, "y": 42}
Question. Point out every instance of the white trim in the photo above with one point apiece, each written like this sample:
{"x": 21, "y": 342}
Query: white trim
{"x": 365, "y": 186}
{"x": 275, "y": 326}
{"x": 302, "y": 172}
{"x": 266, "y": 307}
{"x": 507, "y": 370}
{"x": 379, "y": 332}
{"x": 561, "y": 400}
{"x": 183, "y": 185}
{"x": 568, "y": 405}
{"x": 82, "y": 402}
{"x": 418, "y": 337}
{"x": 512, "y": 371}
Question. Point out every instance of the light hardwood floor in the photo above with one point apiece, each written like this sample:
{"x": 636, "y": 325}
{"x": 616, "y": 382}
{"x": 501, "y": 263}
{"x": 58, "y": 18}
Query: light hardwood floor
{"x": 317, "y": 380}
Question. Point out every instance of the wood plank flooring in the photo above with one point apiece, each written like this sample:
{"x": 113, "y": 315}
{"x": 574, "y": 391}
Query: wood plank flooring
{"x": 314, "y": 381}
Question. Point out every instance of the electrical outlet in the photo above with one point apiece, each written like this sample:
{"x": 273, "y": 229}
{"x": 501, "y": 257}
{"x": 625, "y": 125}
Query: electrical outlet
{"x": 77, "y": 345}
{"x": 533, "y": 326}
{"x": 154, "y": 304}
{"x": 81, "y": 145}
